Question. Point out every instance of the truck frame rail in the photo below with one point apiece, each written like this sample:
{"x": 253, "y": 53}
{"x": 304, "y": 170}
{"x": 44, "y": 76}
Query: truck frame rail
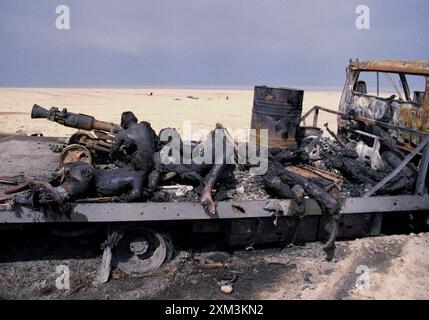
{"x": 168, "y": 211}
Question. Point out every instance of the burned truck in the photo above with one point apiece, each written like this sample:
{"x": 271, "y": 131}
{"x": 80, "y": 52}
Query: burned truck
{"x": 320, "y": 184}
{"x": 388, "y": 117}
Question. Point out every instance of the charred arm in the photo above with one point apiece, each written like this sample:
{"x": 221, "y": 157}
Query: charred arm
{"x": 117, "y": 143}
{"x": 209, "y": 182}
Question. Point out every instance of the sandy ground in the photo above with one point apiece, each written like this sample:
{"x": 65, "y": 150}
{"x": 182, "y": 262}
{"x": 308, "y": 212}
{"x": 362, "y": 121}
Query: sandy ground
{"x": 395, "y": 267}
{"x": 165, "y": 108}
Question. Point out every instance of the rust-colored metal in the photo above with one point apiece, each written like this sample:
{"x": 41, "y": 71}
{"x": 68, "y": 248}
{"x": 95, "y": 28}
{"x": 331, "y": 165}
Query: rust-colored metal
{"x": 16, "y": 184}
{"x": 73, "y": 120}
{"x": 17, "y": 188}
{"x": 5, "y": 198}
{"x": 98, "y": 200}
{"x": 278, "y": 110}
{"x": 12, "y": 180}
{"x": 418, "y": 67}
{"x": 9, "y": 180}
{"x": 93, "y": 140}
{"x": 73, "y": 153}
{"x": 338, "y": 181}
{"x": 317, "y": 174}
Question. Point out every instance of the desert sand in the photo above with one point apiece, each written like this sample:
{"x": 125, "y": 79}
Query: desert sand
{"x": 164, "y": 108}
{"x": 396, "y": 268}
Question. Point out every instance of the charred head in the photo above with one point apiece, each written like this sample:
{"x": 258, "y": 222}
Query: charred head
{"x": 127, "y": 119}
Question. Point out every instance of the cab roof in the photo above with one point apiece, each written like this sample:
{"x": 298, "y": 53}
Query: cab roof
{"x": 416, "y": 67}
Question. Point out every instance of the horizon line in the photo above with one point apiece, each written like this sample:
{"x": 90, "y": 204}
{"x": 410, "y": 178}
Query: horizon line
{"x": 182, "y": 87}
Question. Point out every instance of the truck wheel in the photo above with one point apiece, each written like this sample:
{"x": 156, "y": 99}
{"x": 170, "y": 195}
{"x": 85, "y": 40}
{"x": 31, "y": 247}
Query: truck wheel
{"x": 140, "y": 250}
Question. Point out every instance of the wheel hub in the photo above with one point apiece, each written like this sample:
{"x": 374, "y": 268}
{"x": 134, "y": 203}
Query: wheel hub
{"x": 139, "y": 246}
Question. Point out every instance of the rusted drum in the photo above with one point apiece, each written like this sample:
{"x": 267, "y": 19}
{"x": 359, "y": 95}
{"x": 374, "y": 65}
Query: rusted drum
{"x": 279, "y": 111}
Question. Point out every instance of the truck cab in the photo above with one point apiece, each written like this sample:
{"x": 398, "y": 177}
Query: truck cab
{"x": 390, "y": 91}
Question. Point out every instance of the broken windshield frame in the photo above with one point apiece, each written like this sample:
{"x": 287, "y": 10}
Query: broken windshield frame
{"x": 399, "y": 88}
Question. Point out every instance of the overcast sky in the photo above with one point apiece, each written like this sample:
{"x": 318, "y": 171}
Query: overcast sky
{"x": 202, "y": 42}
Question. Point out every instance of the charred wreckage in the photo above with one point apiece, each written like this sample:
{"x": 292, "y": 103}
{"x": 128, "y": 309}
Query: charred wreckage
{"x": 318, "y": 184}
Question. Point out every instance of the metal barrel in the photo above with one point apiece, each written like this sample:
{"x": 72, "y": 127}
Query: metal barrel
{"x": 279, "y": 111}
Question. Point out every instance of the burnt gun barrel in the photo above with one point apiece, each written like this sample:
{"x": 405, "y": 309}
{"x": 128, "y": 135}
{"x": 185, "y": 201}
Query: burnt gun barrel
{"x": 73, "y": 120}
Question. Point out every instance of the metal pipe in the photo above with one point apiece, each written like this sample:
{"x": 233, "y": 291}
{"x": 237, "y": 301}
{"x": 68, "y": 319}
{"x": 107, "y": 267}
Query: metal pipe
{"x": 405, "y": 86}
{"x": 104, "y": 144}
{"x": 366, "y": 134}
{"x": 423, "y": 169}
{"x": 378, "y": 83}
{"x": 100, "y": 148}
{"x": 73, "y": 120}
{"x": 332, "y": 133}
{"x": 316, "y": 118}
{"x": 305, "y": 115}
{"x": 367, "y": 121}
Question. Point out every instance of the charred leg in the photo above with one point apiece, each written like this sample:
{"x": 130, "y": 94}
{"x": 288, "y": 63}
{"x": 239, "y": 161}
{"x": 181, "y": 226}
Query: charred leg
{"x": 331, "y": 228}
{"x": 405, "y": 180}
{"x": 278, "y": 188}
{"x": 328, "y": 203}
{"x": 136, "y": 185}
{"x": 121, "y": 181}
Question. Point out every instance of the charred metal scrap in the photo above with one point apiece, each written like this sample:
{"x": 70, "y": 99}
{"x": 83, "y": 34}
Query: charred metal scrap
{"x": 357, "y": 173}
